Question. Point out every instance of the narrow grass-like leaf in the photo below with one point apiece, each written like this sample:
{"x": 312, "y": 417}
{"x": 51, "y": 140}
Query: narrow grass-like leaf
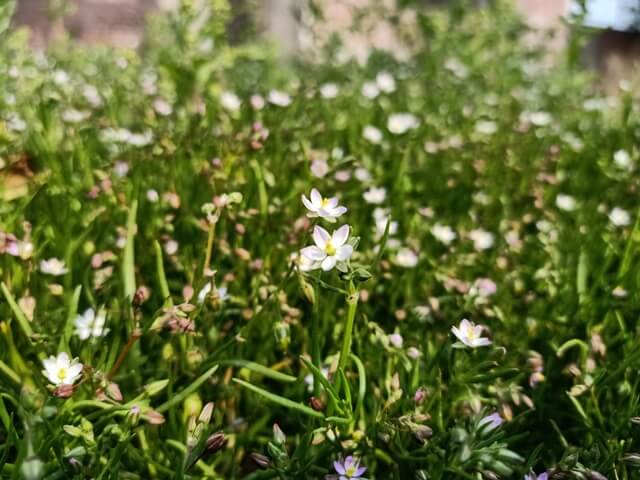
{"x": 63, "y": 346}
{"x": 128, "y": 260}
{"x": 257, "y": 368}
{"x": 284, "y": 402}
{"x": 179, "y": 397}
{"x": 22, "y": 319}
{"x": 162, "y": 278}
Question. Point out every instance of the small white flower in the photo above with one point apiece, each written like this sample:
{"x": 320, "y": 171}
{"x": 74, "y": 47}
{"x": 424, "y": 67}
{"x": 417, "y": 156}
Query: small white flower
{"x": 91, "y": 95}
{"x": 396, "y": 340}
{"x": 162, "y": 107}
{"x": 121, "y": 168}
{"x": 370, "y": 90}
{"x": 61, "y": 77}
{"x": 319, "y": 168}
{"x": 53, "y": 266}
{"x": 443, "y": 233}
{"x": 372, "y": 134}
{"x": 279, "y": 98}
{"x": 482, "y": 240}
{"x": 385, "y": 82}
{"x": 329, "y": 249}
{"x": 319, "y": 206}
{"x": 61, "y": 370}
{"x": 399, "y": 123}
{"x": 566, "y": 202}
{"x": 470, "y": 334}
{"x": 152, "y": 195}
{"x": 171, "y": 247}
{"x": 72, "y": 115}
{"x": 230, "y": 101}
{"x": 257, "y": 102}
{"x": 329, "y": 91}
{"x": 91, "y": 325}
{"x": 486, "y": 127}
{"x": 362, "y": 174}
{"x": 620, "y": 217}
{"x": 375, "y": 195}
{"x": 406, "y": 258}
{"x": 381, "y": 217}
{"x": 623, "y": 160}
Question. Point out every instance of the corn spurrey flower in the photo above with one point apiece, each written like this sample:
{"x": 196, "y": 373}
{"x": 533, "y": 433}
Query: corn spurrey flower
{"x": 470, "y": 334}
{"x": 490, "y": 422}
{"x": 319, "y": 206}
{"x": 328, "y": 249}
{"x": 349, "y": 468}
{"x": 90, "y": 324}
{"x": 533, "y": 476}
{"x": 61, "y": 370}
{"x": 53, "y": 266}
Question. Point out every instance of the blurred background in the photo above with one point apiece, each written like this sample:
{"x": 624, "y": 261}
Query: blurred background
{"x": 613, "y": 51}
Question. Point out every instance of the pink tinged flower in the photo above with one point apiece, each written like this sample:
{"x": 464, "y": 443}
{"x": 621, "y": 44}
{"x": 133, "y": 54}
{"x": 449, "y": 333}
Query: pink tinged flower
{"x": 470, "y": 334}
{"x": 319, "y": 168}
{"x": 61, "y": 370}
{"x": 533, "y": 476}
{"x": 328, "y": 249}
{"x": 349, "y": 468}
{"x": 319, "y": 206}
{"x": 53, "y": 266}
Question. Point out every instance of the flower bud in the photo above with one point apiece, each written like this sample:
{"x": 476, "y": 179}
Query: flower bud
{"x": 205, "y": 414}
{"x": 260, "y": 460}
{"x": 32, "y": 468}
{"x": 279, "y": 438}
{"x": 215, "y": 442}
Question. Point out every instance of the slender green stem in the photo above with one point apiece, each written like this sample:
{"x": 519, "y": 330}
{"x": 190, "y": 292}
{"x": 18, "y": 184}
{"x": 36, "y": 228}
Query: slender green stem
{"x": 352, "y": 303}
{"x": 207, "y": 258}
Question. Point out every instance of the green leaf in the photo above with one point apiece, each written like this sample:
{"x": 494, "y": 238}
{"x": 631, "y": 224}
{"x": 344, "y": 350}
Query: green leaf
{"x": 128, "y": 261}
{"x": 284, "y": 402}
{"x": 179, "y": 397}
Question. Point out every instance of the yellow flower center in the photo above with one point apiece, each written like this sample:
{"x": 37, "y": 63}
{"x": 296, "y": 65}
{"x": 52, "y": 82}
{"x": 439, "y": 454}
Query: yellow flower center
{"x": 324, "y": 202}
{"x": 330, "y": 249}
{"x": 62, "y": 373}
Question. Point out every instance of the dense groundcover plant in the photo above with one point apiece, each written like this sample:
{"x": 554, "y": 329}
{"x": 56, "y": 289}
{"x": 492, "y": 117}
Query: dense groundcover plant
{"x": 421, "y": 265}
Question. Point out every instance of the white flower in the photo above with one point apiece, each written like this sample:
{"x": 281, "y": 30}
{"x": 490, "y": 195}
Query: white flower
{"x": 362, "y": 174}
{"x": 329, "y": 249}
{"x": 72, "y": 115}
{"x": 566, "y": 202}
{"x": 319, "y": 206}
{"x": 443, "y": 233}
{"x": 329, "y": 90}
{"x": 61, "y": 370}
{"x": 381, "y": 217}
{"x": 91, "y": 325}
{"x": 396, "y": 340}
{"x": 470, "y": 334}
{"x": 91, "y": 95}
{"x": 53, "y": 266}
{"x": 623, "y": 160}
{"x": 61, "y": 77}
{"x": 620, "y": 217}
{"x": 385, "y": 82}
{"x": 482, "y": 240}
{"x": 279, "y": 98}
{"x": 539, "y": 119}
{"x": 152, "y": 195}
{"x": 230, "y": 101}
{"x": 319, "y": 168}
{"x": 486, "y": 127}
{"x": 372, "y": 134}
{"x": 375, "y": 195}
{"x": 162, "y": 107}
{"x": 370, "y": 90}
{"x": 399, "y": 123}
{"x": 406, "y": 258}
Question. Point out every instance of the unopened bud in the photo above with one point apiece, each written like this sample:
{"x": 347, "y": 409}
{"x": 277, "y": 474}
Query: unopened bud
{"x": 260, "y": 460}
{"x": 63, "y": 391}
{"x": 113, "y": 392}
{"x": 154, "y": 418}
{"x": 215, "y": 442}
{"x": 316, "y": 404}
{"x": 279, "y": 438}
{"x": 205, "y": 414}
{"x": 32, "y": 468}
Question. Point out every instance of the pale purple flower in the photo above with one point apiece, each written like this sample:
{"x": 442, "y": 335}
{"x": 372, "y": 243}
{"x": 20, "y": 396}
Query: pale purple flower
{"x": 490, "y": 422}
{"x": 349, "y": 468}
{"x": 533, "y": 476}
{"x": 322, "y": 207}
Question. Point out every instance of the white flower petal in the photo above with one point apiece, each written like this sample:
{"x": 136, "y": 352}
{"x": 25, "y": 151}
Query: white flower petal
{"x": 313, "y": 253}
{"x": 340, "y": 236}
{"x": 344, "y": 252}
{"x": 320, "y": 236}
{"x": 328, "y": 263}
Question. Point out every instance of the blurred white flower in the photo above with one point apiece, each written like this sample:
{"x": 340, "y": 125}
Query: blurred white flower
{"x": 399, "y": 123}
{"x": 470, "y": 334}
{"x": 486, "y": 127}
{"x": 372, "y": 134}
{"x": 61, "y": 370}
{"x": 483, "y": 287}
{"x": 385, "y": 82}
{"x": 381, "y": 217}
{"x": 482, "y": 240}
{"x": 406, "y": 258}
{"x": 91, "y": 95}
{"x": 319, "y": 206}
{"x": 230, "y": 101}
{"x": 539, "y": 119}
{"x": 370, "y": 90}
{"x": 162, "y": 107}
{"x": 623, "y": 160}
{"x": 362, "y": 174}
{"x": 329, "y": 90}
{"x": 53, "y": 266}
{"x": 152, "y": 195}
{"x": 456, "y": 67}
{"x": 15, "y": 122}
{"x": 257, "y": 101}
{"x": 72, "y": 115}
{"x": 171, "y": 247}
{"x": 375, "y": 195}
{"x": 121, "y": 168}
{"x": 90, "y": 324}
{"x": 566, "y": 202}
{"x": 396, "y": 340}
{"x": 443, "y": 233}
{"x": 319, "y": 167}
{"x": 329, "y": 249}
{"x": 620, "y": 217}
{"x": 60, "y": 77}
{"x": 279, "y": 98}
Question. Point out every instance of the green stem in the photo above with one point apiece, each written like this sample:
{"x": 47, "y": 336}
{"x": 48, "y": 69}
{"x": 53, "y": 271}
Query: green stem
{"x": 352, "y": 302}
{"x": 207, "y": 258}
